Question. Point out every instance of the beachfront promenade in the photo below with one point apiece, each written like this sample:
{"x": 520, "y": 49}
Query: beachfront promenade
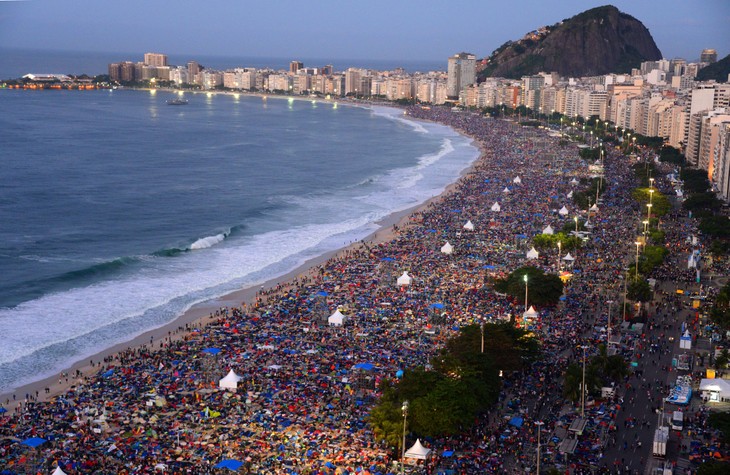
{"x": 302, "y": 401}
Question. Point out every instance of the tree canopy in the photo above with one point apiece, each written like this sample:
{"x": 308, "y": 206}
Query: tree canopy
{"x": 543, "y": 289}
{"x": 462, "y": 383}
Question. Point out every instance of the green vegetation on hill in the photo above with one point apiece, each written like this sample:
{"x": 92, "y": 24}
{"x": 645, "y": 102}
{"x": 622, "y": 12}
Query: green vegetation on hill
{"x": 718, "y": 71}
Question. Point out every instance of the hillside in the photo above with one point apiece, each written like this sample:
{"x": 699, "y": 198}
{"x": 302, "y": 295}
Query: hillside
{"x": 718, "y": 71}
{"x": 598, "y": 41}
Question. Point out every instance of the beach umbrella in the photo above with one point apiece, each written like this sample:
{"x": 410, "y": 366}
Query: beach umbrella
{"x": 3, "y": 410}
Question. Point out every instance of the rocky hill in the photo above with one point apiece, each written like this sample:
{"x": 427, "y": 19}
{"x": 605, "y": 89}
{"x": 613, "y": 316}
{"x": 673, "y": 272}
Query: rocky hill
{"x": 598, "y": 41}
{"x": 718, "y": 71}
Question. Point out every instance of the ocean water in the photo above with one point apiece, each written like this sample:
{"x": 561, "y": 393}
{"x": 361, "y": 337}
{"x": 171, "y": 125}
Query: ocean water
{"x": 118, "y": 212}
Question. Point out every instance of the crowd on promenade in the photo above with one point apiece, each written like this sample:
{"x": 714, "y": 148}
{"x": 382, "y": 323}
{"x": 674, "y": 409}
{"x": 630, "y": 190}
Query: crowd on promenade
{"x": 306, "y": 387}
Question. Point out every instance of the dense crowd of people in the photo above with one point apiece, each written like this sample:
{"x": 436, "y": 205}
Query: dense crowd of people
{"x": 306, "y": 387}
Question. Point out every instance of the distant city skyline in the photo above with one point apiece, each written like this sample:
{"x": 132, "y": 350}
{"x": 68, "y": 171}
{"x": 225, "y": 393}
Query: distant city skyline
{"x": 407, "y": 30}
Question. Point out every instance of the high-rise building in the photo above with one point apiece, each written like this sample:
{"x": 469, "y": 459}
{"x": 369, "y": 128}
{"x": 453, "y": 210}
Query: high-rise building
{"x": 461, "y": 73}
{"x": 193, "y": 70}
{"x": 155, "y": 59}
{"x": 295, "y": 66}
{"x": 708, "y": 56}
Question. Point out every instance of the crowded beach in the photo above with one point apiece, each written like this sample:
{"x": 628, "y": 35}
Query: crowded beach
{"x": 302, "y": 388}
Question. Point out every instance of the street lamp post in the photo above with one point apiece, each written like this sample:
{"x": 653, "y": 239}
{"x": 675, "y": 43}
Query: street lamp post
{"x": 525, "y": 277}
{"x": 583, "y": 386}
{"x": 648, "y": 213}
{"x": 404, "y": 408}
{"x": 559, "y": 254}
{"x": 482, "y": 328}
{"x": 539, "y": 427}
{"x": 608, "y": 334}
{"x": 576, "y": 224}
{"x": 638, "y": 243}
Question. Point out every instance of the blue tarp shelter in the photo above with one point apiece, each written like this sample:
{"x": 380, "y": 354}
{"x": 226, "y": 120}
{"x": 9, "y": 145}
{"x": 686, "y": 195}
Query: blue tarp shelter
{"x": 230, "y": 464}
{"x": 516, "y": 421}
{"x": 33, "y": 442}
{"x": 365, "y": 366}
{"x": 212, "y": 351}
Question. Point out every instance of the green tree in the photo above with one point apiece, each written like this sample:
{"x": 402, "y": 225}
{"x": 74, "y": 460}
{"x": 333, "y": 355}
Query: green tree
{"x": 651, "y": 258}
{"x": 638, "y": 290}
{"x": 715, "y": 226}
{"x": 695, "y": 181}
{"x": 720, "y": 311}
{"x": 573, "y": 379}
{"x": 660, "y": 204}
{"x": 543, "y": 289}
{"x": 702, "y": 201}
{"x": 714, "y": 467}
{"x": 544, "y": 242}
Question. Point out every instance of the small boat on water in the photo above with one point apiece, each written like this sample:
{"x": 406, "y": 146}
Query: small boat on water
{"x": 177, "y": 102}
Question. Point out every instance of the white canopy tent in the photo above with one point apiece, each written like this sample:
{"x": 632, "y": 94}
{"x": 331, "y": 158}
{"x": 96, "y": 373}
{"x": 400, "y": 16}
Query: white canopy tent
{"x": 570, "y": 195}
{"x": 506, "y": 190}
{"x": 405, "y": 279}
{"x": 230, "y": 381}
{"x": 58, "y": 471}
{"x": 530, "y": 313}
{"x": 336, "y": 319}
{"x": 563, "y": 211}
{"x": 533, "y": 254}
{"x": 517, "y": 180}
{"x": 574, "y": 182}
{"x": 447, "y": 248}
{"x": 469, "y": 226}
{"x": 496, "y": 208}
{"x": 716, "y": 390}
{"x": 418, "y": 451}
{"x": 548, "y": 230}
{"x": 568, "y": 257}
{"x": 594, "y": 208}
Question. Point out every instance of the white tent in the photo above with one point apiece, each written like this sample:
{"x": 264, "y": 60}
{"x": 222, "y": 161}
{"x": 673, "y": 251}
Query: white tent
{"x": 533, "y": 254}
{"x": 531, "y": 313}
{"x": 548, "y": 230}
{"x": 418, "y": 451}
{"x": 563, "y": 211}
{"x": 716, "y": 390}
{"x": 336, "y": 319}
{"x": 58, "y": 471}
{"x": 405, "y": 279}
{"x": 496, "y": 207}
{"x": 568, "y": 257}
{"x": 230, "y": 381}
{"x": 469, "y": 226}
{"x": 506, "y": 190}
{"x": 573, "y": 181}
{"x": 517, "y": 180}
{"x": 594, "y": 208}
{"x": 570, "y": 195}
{"x": 447, "y": 248}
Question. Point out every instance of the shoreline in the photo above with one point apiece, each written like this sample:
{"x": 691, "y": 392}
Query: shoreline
{"x": 200, "y": 314}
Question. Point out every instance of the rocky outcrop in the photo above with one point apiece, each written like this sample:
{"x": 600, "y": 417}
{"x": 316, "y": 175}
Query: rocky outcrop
{"x": 598, "y": 41}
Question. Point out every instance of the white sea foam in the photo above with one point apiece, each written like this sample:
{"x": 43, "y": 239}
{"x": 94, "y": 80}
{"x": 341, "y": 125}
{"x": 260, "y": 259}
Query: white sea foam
{"x": 206, "y": 242}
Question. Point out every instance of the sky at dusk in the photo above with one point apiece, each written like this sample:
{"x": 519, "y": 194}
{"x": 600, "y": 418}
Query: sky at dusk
{"x": 383, "y": 29}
